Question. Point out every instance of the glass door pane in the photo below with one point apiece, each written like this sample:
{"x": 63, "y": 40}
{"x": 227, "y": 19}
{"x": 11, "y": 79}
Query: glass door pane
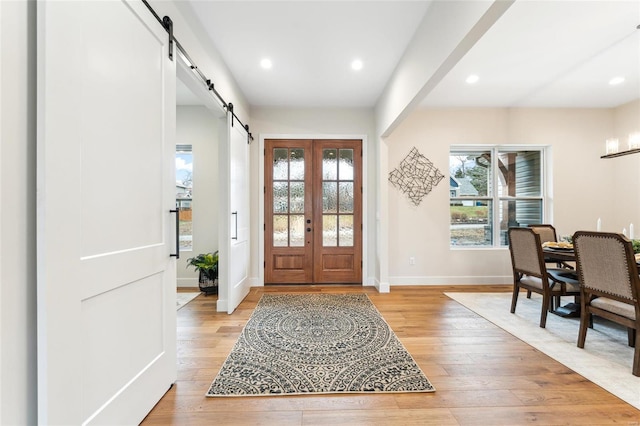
{"x": 337, "y": 197}
{"x": 288, "y": 197}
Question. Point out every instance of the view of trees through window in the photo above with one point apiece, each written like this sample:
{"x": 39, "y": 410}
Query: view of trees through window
{"x": 491, "y": 190}
{"x": 184, "y": 188}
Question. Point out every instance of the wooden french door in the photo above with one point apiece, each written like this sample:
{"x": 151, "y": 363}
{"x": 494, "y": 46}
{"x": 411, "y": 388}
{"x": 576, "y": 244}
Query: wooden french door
{"x": 313, "y": 211}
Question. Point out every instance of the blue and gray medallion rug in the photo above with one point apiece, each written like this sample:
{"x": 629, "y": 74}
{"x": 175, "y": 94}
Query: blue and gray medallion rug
{"x": 317, "y": 343}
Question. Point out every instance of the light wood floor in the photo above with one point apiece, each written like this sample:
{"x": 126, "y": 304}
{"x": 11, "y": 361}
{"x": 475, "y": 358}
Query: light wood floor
{"x": 483, "y": 375}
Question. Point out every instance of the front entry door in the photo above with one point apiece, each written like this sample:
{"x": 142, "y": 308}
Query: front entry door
{"x": 313, "y": 211}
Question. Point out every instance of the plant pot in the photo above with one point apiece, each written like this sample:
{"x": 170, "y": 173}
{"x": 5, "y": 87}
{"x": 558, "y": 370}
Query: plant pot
{"x": 207, "y": 285}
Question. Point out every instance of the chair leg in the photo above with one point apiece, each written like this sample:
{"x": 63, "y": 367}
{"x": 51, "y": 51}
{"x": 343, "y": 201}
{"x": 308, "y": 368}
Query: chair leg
{"x": 631, "y": 336}
{"x": 528, "y": 294}
{"x": 636, "y": 355}
{"x": 585, "y": 320}
{"x": 514, "y": 298}
{"x": 546, "y": 300}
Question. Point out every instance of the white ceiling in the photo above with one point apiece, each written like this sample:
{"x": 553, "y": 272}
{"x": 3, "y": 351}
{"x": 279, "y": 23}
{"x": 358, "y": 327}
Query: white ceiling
{"x": 551, "y": 54}
{"x": 546, "y": 53}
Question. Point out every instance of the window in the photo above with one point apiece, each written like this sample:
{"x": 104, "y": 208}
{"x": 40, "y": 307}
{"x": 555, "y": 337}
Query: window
{"x": 184, "y": 187}
{"x": 491, "y": 190}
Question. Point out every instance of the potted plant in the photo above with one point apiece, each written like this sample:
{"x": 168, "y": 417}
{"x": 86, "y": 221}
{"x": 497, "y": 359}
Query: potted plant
{"x": 207, "y": 266}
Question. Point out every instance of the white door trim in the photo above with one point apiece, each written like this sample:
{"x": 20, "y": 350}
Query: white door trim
{"x": 259, "y": 264}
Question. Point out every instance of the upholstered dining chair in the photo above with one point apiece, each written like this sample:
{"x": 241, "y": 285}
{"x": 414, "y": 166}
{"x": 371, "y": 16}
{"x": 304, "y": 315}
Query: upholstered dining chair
{"x": 546, "y": 231}
{"x": 610, "y": 284}
{"x": 548, "y": 234}
{"x": 530, "y": 272}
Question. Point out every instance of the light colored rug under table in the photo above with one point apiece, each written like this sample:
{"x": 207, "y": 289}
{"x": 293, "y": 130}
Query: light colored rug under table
{"x": 605, "y": 360}
{"x": 183, "y": 298}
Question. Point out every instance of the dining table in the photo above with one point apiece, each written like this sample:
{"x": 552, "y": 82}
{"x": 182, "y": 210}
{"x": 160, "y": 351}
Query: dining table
{"x": 566, "y": 254}
{"x": 562, "y": 254}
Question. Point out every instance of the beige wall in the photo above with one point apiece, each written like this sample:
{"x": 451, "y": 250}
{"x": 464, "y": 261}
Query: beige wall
{"x": 583, "y": 186}
{"x": 626, "y": 170}
{"x": 197, "y": 126}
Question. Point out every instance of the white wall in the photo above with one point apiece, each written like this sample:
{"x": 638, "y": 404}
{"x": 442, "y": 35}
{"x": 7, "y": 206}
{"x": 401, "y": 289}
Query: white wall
{"x": 305, "y": 123}
{"x": 198, "y": 127}
{"x": 18, "y": 381}
{"x": 583, "y": 185}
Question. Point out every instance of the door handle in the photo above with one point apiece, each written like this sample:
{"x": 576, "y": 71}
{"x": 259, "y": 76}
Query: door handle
{"x": 236, "y": 215}
{"x": 177, "y": 212}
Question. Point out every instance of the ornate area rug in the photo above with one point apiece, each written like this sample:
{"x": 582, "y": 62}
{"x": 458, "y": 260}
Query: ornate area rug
{"x": 317, "y": 343}
{"x": 605, "y": 360}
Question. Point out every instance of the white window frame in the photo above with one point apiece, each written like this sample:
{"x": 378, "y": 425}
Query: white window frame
{"x": 495, "y": 198}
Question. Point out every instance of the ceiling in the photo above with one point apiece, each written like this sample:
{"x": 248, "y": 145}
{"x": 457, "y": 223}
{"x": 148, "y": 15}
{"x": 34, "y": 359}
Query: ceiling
{"x": 311, "y": 45}
{"x": 551, "y": 54}
{"x": 547, "y": 53}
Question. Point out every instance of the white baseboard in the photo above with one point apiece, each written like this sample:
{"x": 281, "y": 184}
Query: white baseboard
{"x": 459, "y": 280}
{"x": 221, "y": 305}
{"x": 382, "y": 287}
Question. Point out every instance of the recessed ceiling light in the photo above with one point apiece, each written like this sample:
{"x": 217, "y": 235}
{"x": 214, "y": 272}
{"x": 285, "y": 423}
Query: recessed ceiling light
{"x": 266, "y": 63}
{"x": 356, "y": 65}
{"x": 616, "y": 80}
{"x": 472, "y": 79}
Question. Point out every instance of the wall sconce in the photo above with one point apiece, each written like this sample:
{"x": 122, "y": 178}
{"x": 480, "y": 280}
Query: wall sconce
{"x": 634, "y": 140}
{"x": 612, "y": 146}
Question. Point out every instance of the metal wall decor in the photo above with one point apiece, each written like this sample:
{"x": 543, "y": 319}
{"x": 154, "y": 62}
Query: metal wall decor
{"x": 415, "y": 176}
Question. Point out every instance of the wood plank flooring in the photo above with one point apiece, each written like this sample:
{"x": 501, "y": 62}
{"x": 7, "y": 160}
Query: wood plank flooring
{"x": 482, "y": 374}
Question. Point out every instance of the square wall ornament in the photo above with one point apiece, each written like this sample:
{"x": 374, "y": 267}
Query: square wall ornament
{"x": 415, "y": 176}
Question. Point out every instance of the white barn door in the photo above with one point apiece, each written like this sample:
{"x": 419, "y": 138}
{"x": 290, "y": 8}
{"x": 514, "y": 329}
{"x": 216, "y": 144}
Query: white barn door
{"x": 106, "y": 281}
{"x": 234, "y": 205}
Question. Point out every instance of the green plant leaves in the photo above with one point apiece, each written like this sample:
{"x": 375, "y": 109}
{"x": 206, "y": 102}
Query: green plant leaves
{"x": 207, "y": 263}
